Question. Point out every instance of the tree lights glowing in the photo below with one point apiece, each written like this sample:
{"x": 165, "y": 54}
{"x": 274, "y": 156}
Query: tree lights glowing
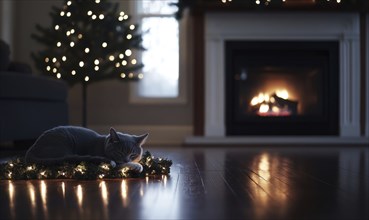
{"x": 91, "y": 34}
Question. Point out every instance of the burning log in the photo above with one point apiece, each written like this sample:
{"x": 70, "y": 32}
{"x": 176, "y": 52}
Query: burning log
{"x": 289, "y": 105}
{"x": 274, "y": 106}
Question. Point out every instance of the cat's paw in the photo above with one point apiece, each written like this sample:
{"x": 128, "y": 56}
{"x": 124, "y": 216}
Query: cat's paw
{"x": 113, "y": 164}
{"x": 138, "y": 167}
{"x": 133, "y": 166}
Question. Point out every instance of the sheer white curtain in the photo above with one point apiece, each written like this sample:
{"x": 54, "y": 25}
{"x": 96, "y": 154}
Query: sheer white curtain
{"x": 161, "y": 58}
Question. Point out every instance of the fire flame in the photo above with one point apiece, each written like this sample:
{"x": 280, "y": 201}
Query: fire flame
{"x": 263, "y": 97}
{"x": 267, "y": 104}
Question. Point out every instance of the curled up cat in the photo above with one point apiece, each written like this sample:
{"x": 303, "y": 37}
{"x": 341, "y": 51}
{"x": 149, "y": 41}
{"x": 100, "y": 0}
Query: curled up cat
{"x": 75, "y": 144}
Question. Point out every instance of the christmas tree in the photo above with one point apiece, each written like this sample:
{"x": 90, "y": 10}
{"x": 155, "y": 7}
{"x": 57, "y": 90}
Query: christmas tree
{"x": 89, "y": 41}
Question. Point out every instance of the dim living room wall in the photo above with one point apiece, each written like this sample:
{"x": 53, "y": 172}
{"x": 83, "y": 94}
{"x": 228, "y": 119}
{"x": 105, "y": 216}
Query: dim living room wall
{"x": 108, "y": 101}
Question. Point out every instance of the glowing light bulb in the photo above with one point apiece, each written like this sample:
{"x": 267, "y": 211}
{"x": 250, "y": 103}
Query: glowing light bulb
{"x": 87, "y": 78}
{"x": 81, "y": 63}
{"x": 55, "y": 70}
{"x": 129, "y": 36}
{"x": 80, "y": 36}
{"x": 140, "y": 76}
{"x": 93, "y": 17}
{"x": 117, "y": 65}
{"x": 62, "y": 13}
{"x": 111, "y": 58}
{"x": 132, "y": 27}
{"x": 72, "y": 31}
{"x": 96, "y": 62}
{"x": 124, "y": 63}
{"x": 128, "y": 52}
{"x": 89, "y": 13}
{"x": 67, "y": 33}
{"x": 69, "y": 3}
{"x": 47, "y": 59}
{"x": 122, "y": 75}
{"x": 125, "y": 17}
{"x": 87, "y": 50}
{"x": 121, "y": 13}
{"x": 57, "y": 27}
{"x": 58, "y": 75}
{"x": 121, "y": 56}
{"x": 48, "y": 68}
{"x": 58, "y": 44}
{"x": 97, "y": 68}
{"x": 71, "y": 44}
{"x": 73, "y": 72}
{"x": 64, "y": 58}
{"x": 104, "y": 44}
{"x": 54, "y": 60}
{"x": 120, "y": 18}
{"x": 257, "y": 2}
{"x": 69, "y": 14}
{"x": 97, "y": 1}
{"x": 101, "y": 16}
{"x": 134, "y": 61}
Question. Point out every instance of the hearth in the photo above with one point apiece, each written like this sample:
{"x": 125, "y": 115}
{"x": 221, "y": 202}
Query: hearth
{"x": 282, "y": 87}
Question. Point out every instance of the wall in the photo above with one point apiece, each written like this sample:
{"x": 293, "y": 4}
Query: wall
{"x": 6, "y": 21}
{"x": 108, "y": 101}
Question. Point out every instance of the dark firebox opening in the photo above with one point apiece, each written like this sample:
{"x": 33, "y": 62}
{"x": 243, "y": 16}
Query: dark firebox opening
{"x": 282, "y": 88}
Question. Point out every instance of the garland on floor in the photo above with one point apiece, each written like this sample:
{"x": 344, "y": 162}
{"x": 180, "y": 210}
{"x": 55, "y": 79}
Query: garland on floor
{"x": 17, "y": 169}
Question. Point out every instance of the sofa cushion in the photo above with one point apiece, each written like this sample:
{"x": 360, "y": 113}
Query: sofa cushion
{"x": 19, "y": 67}
{"x": 27, "y": 119}
{"x": 26, "y": 86}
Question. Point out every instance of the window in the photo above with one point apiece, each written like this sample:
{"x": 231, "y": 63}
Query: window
{"x": 161, "y": 59}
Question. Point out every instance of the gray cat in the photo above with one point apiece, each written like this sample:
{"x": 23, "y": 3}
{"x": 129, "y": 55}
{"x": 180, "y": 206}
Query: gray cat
{"x": 74, "y": 144}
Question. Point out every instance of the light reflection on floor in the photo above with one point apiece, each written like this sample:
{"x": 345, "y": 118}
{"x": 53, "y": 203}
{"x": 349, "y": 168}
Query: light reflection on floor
{"x": 157, "y": 196}
{"x": 273, "y": 184}
{"x": 265, "y": 184}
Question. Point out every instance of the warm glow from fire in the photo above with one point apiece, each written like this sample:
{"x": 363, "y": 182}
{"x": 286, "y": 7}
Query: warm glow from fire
{"x": 282, "y": 94}
{"x": 263, "y": 97}
{"x": 272, "y": 104}
{"x": 264, "y": 108}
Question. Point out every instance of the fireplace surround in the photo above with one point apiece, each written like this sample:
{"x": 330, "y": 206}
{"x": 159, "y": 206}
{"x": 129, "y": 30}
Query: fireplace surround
{"x": 340, "y": 27}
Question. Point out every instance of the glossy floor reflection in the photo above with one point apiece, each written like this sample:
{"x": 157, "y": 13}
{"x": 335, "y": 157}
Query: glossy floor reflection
{"x": 211, "y": 183}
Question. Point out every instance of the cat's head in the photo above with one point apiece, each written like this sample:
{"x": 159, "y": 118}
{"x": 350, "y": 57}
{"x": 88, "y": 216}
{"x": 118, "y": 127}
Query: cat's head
{"x": 123, "y": 148}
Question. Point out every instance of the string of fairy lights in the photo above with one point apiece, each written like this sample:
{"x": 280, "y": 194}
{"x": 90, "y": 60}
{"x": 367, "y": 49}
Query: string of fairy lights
{"x": 18, "y": 169}
{"x": 82, "y": 53}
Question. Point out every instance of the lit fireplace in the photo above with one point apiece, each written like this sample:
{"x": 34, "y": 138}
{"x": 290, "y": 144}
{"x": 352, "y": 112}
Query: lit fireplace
{"x": 233, "y": 41}
{"x": 276, "y": 104}
{"x": 275, "y": 88}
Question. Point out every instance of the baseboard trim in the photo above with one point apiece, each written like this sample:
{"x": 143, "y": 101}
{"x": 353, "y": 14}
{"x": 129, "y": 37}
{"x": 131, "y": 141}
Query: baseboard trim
{"x": 158, "y": 134}
{"x": 282, "y": 140}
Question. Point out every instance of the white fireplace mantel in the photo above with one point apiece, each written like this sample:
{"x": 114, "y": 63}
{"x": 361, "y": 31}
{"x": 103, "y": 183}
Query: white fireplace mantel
{"x": 343, "y": 27}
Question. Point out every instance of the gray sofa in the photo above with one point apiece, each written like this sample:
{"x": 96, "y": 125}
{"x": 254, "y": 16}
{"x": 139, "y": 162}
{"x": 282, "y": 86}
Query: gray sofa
{"x": 30, "y": 104}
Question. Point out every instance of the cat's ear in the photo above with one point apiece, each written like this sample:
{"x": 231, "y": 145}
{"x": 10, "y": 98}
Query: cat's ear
{"x": 141, "y": 139}
{"x": 113, "y": 135}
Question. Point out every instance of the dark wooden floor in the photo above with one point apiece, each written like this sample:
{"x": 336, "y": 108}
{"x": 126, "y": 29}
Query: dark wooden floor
{"x": 211, "y": 183}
